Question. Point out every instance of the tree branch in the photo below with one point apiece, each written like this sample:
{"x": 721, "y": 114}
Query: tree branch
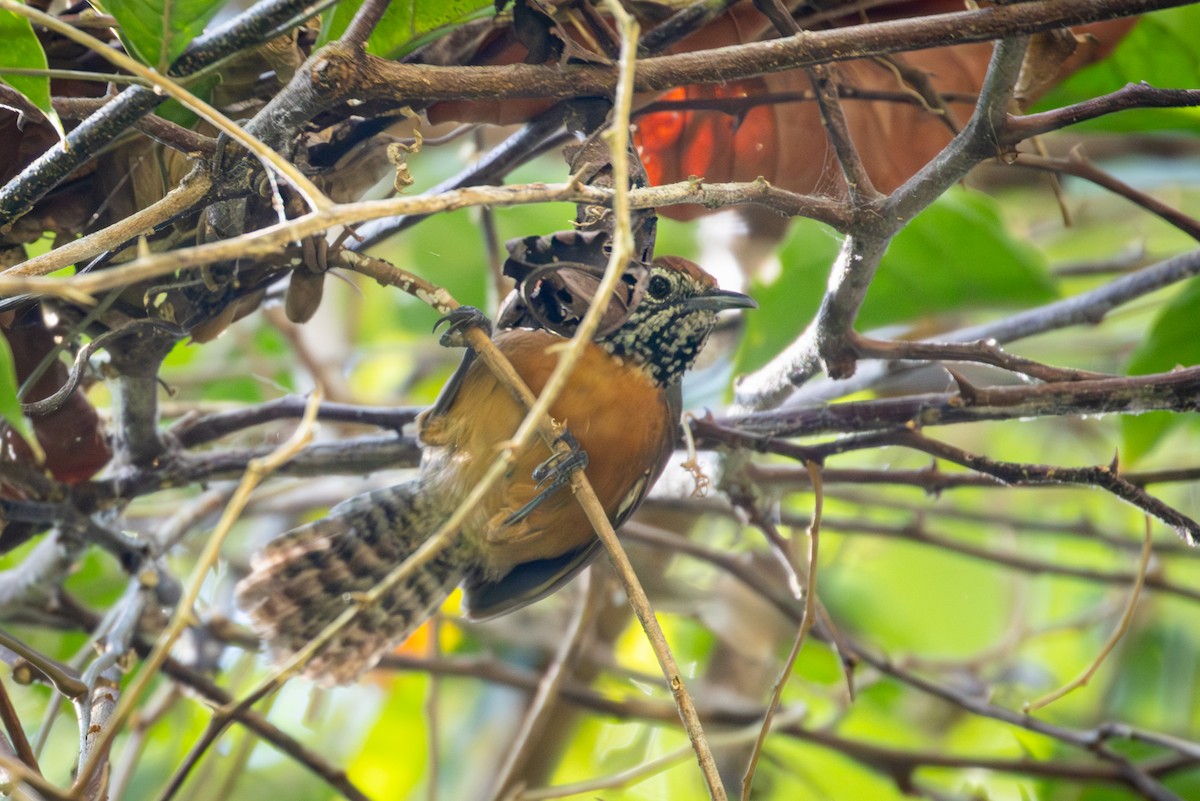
{"x": 404, "y": 84}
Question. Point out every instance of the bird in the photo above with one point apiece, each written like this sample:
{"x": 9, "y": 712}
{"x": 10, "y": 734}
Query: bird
{"x": 528, "y": 536}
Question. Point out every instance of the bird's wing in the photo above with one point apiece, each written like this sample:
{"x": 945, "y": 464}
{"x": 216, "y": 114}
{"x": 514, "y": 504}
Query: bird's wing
{"x": 533, "y": 580}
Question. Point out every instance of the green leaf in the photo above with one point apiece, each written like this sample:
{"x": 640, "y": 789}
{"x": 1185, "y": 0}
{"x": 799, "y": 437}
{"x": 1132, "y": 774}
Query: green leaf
{"x": 22, "y": 50}
{"x": 406, "y": 23}
{"x": 200, "y": 86}
{"x": 1163, "y": 51}
{"x": 955, "y": 255}
{"x": 10, "y": 407}
{"x": 786, "y": 302}
{"x": 158, "y": 31}
{"x": 1173, "y": 340}
{"x": 1139, "y": 434}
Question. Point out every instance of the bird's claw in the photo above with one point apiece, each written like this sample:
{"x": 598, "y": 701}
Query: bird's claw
{"x": 558, "y": 467}
{"x": 457, "y": 322}
{"x": 553, "y": 474}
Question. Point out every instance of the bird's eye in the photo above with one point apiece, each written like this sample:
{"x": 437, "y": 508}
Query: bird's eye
{"x": 658, "y": 287}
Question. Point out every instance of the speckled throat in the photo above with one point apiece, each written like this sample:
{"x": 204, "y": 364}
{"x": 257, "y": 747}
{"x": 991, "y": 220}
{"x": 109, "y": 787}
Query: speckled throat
{"x": 663, "y": 340}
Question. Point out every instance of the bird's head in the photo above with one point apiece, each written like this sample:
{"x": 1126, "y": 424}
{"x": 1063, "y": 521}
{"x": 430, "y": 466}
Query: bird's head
{"x": 667, "y": 327}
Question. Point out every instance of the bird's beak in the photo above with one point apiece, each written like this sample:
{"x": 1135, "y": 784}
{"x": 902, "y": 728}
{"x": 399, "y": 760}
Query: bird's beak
{"x": 720, "y": 299}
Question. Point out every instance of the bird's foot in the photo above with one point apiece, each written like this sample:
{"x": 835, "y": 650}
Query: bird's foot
{"x": 458, "y": 322}
{"x": 553, "y": 474}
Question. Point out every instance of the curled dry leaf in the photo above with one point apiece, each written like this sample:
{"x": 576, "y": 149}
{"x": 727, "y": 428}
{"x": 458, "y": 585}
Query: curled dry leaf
{"x": 304, "y": 292}
{"x": 769, "y": 126}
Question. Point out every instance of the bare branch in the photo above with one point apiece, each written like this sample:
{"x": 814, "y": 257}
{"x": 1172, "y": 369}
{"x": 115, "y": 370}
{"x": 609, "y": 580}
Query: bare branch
{"x": 1131, "y": 96}
{"x": 378, "y": 79}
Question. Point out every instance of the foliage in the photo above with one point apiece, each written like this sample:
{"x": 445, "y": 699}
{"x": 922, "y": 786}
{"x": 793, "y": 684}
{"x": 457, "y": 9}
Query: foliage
{"x": 404, "y": 24}
{"x": 158, "y": 32}
{"x": 24, "y": 52}
{"x": 1160, "y": 51}
{"x": 963, "y": 569}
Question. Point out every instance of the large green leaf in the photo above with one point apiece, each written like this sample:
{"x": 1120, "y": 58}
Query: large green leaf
{"x": 405, "y": 23}
{"x": 158, "y": 31}
{"x": 1173, "y": 340}
{"x": 1162, "y": 50}
{"x": 956, "y": 255}
{"x": 787, "y": 301}
{"x": 22, "y": 50}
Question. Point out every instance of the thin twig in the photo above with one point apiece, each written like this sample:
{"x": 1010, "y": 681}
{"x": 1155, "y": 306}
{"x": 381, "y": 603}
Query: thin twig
{"x": 200, "y": 746}
{"x": 1122, "y": 626}
{"x": 1078, "y": 165}
{"x": 267, "y": 242}
{"x": 381, "y": 79}
{"x": 165, "y": 85}
{"x": 74, "y": 75}
{"x": 235, "y": 763}
{"x": 1012, "y": 559}
{"x": 363, "y": 24}
{"x": 1086, "y": 308}
{"x": 16, "y": 731}
{"x": 806, "y": 623}
{"x": 193, "y": 430}
{"x": 1103, "y": 477}
{"x": 526, "y": 738}
{"x": 645, "y": 770}
{"x": 1130, "y": 96}
{"x": 161, "y": 130}
{"x": 621, "y": 252}
{"x": 18, "y": 773}
{"x": 64, "y": 679}
{"x": 192, "y": 190}
{"x": 1125, "y": 769}
{"x": 533, "y": 423}
{"x": 859, "y": 188}
{"x": 827, "y": 342}
{"x": 311, "y": 759}
{"x": 1082, "y": 527}
{"x": 869, "y": 754}
{"x": 256, "y": 471}
{"x": 739, "y": 106}
{"x": 982, "y": 351}
{"x": 161, "y": 703}
{"x": 1173, "y": 391}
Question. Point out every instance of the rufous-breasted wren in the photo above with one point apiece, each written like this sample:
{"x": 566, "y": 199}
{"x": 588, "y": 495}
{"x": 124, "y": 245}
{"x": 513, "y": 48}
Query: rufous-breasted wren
{"x": 522, "y": 542}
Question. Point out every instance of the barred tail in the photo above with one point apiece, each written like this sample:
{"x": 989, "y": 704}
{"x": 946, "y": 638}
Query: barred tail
{"x": 305, "y": 579}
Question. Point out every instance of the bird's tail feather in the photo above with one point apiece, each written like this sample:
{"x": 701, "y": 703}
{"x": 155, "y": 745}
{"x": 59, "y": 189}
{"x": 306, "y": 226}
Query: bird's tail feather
{"x": 304, "y": 580}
